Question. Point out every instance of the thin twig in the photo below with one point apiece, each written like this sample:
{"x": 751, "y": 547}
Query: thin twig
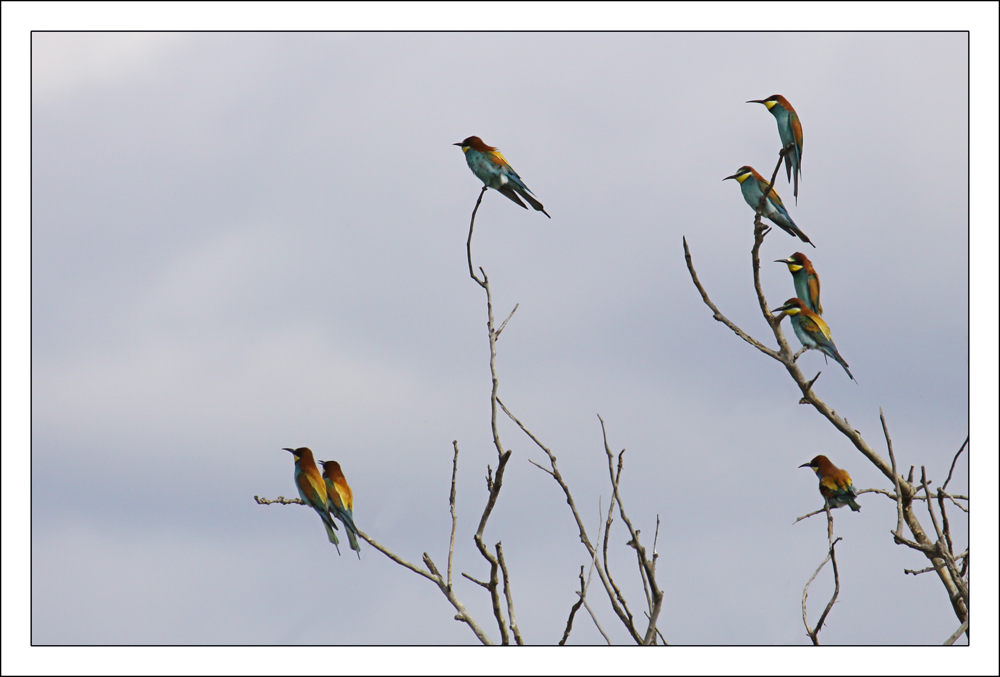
{"x": 468, "y": 243}
{"x": 574, "y": 608}
{"x": 958, "y": 633}
{"x": 281, "y": 500}
{"x": 955, "y": 460}
{"x": 898, "y": 533}
{"x": 717, "y": 314}
{"x": 476, "y": 581}
{"x": 504, "y": 323}
{"x": 451, "y": 503}
{"x": 590, "y": 574}
{"x": 507, "y": 594}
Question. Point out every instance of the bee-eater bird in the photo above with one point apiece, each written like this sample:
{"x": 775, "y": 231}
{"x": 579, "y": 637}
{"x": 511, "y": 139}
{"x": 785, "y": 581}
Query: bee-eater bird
{"x": 790, "y": 131}
{"x": 753, "y": 185}
{"x": 834, "y": 483}
{"x": 340, "y": 500}
{"x": 806, "y": 280}
{"x": 492, "y": 169}
{"x": 812, "y": 330}
{"x": 312, "y": 489}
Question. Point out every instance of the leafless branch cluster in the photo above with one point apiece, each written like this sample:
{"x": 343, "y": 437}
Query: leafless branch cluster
{"x": 495, "y": 558}
{"x": 944, "y": 562}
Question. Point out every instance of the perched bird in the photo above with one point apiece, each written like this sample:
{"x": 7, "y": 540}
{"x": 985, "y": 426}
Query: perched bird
{"x": 812, "y": 330}
{"x": 806, "y": 280}
{"x": 790, "y": 131}
{"x": 312, "y": 489}
{"x": 492, "y": 169}
{"x": 753, "y": 185}
{"x": 834, "y": 483}
{"x": 340, "y": 500}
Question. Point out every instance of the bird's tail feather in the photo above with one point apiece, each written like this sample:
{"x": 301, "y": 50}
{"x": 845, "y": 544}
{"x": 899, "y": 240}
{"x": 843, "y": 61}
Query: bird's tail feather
{"x": 511, "y": 195}
{"x": 332, "y": 536}
{"x": 535, "y": 203}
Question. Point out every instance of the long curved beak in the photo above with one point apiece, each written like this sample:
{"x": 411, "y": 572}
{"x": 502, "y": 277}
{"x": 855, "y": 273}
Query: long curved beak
{"x": 287, "y": 449}
{"x": 731, "y": 177}
{"x": 756, "y": 101}
{"x": 457, "y": 144}
{"x": 804, "y": 465}
{"x": 782, "y": 261}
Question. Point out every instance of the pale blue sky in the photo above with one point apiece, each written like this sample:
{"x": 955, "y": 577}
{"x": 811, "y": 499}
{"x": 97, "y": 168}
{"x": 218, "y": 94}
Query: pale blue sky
{"x": 242, "y": 242}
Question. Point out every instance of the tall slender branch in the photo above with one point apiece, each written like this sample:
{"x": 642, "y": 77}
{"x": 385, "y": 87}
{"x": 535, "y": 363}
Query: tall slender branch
{"x": 496, "y": 484}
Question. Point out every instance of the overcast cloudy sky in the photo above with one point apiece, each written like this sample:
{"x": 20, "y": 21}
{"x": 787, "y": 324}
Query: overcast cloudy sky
{"x": 248, "y": 241}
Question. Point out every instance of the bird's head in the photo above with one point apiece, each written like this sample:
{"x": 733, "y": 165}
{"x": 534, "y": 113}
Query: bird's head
{"x": 475, "y": 143}
{"x": 742, "y": 174}
{"x": 300, "y": 452}
{"x": 816, "y": 462}
{"x": 331, "y": 469}
{"x": 796, "y": 262}
{"x": 772, "y": 101}
{"x": 793, "y": 306}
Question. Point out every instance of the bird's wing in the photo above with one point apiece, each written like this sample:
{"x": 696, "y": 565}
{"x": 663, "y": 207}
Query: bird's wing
{"x": 832, "y": 485}
{"x": 312, "y": 492}
{"x": 345, "y": 493}
{"x": 793, "y": 118}
{"x": 815, "y": 327}
{"x": 813, "y": 282}
{"x": 498, "y": 159}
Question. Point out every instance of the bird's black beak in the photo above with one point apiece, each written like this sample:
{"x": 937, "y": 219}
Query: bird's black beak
{"x": 755, "y": 101}
{"x": 805, "y": 465}
{"x": 781, "y": 261}
{"x": 731, "y": 177}
{"x": 287, "y": 449}
{"x": 457, "y": 144}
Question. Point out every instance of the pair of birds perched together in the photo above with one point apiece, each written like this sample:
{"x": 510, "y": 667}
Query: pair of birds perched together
{"x": 328, "y": 494}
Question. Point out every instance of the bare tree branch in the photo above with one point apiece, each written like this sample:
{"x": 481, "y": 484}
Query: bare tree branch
{"x": 905, "y": 492}
{"x": 591, "y": 549}
{"x": 281, "y": 500}
{"x": 646, "y": 566}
